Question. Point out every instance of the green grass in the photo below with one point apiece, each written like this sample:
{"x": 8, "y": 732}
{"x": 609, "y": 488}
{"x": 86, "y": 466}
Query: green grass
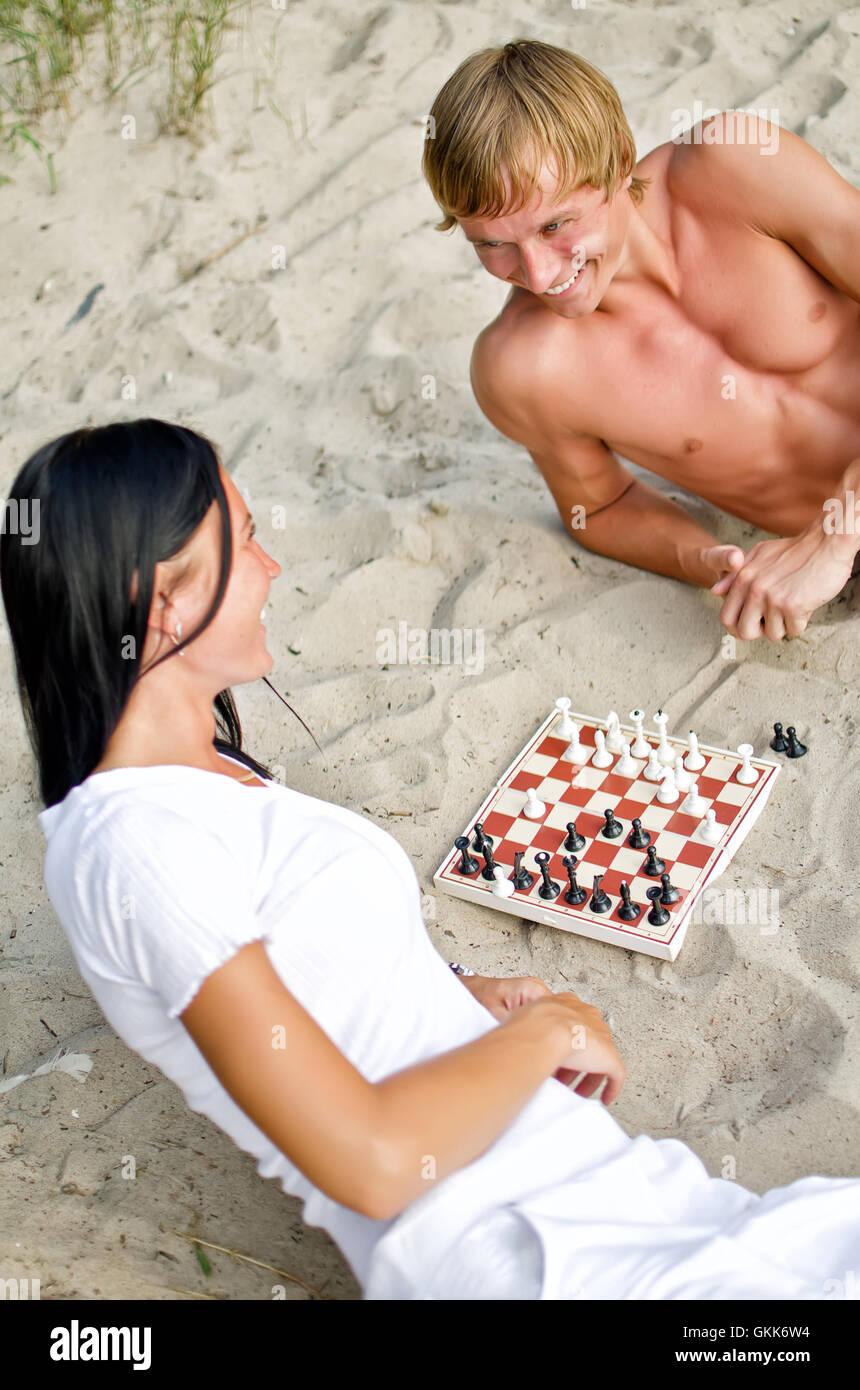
{"x": 44, "y": 45}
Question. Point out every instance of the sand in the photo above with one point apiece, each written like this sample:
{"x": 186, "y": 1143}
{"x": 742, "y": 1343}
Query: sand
{"x": 337, "y": 390}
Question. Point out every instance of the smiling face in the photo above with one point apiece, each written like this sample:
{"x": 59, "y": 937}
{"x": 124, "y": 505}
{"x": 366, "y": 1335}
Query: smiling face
{"x": 564, "y": 250}
{"x": 232, "y": 649}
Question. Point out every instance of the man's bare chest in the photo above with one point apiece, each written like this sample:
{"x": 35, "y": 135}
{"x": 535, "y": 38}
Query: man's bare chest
{"x": 757, "y": 354}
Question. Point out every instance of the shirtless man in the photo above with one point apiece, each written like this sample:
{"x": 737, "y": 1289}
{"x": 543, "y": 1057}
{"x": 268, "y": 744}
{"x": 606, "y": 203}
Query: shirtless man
{"x": 711, "y": 332}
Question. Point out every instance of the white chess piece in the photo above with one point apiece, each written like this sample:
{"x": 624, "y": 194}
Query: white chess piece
{"x": 709, "y": 830}
{"x": 614, "y": 736}
{"x": 533, "y": 808}
{"x": 502, "y": 885}
{"x": 664, "y": 752}
{"x": 576, "y": 752}
{"x": 640, "y": 748}
{"x": 601, "y": 757}
{"x": 694, "y": 805}
{"x": 667, "y": 792}
{"x": 694, "y": 762}
{"x": 746, "y": 774}
{"x": 566, "y": 725}
{"x": 653, "y": 772}
{"x": 625, "y": 767}
{"x": 682, "y": 777}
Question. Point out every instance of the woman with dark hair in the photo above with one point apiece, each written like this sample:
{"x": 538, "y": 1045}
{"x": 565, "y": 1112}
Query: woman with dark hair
{"x": 266, "y": 950}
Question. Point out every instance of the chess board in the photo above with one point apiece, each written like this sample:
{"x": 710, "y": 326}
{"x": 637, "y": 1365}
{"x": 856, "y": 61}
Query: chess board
{"x": 582, "y": 793}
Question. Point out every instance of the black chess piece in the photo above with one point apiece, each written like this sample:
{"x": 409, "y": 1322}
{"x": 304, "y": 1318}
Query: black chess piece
{"x": 795, "y": 748}
{"x": 549, "y": 888}
{"x": 629, "y": 910}
{"x": 600, "y": 901}
{"x": 779, "y": 742}
{"x": 670, "y": 893}
{"x": 467, "y": 864}
{"x": 522, "y": 879}
{"x": 638, "y": 838}
{"x": 573, "y": 840}
{"x": 574, "y": 895}
{"x": 613, "y": 828}
{"x": 489, "y": 863}
{"x": 653, "y": 866}
{"x": 658, "y": 914}
{"x": 480, "y": 838}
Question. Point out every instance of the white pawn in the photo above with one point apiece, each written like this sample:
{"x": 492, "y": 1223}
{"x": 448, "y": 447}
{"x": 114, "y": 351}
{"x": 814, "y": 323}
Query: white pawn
{"x": 694, "y": 805}
{"x": 667, "y": 792}
{"x": 746, "y": 773}
{"x": 601, "y": 757}
{"x": 502, "y": 885}
{"x": 640, "y": 748}
{"x": 682, "y": 778}
{"x": 664, "y": 752}
{"x": 653, "y": 772}
{"x": 709, "y": 830}
{"x": 566, "y": 725}
{"x": 533, "y": 808}
{"x": 576, "y": 751}
{"x": 694, "y": 762}
{"x": 614, "y": 736}
{"x": 625, "y": 767}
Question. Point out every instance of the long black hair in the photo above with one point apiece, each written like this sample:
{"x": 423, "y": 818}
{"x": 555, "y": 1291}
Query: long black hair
{"x": 108, "y": 502}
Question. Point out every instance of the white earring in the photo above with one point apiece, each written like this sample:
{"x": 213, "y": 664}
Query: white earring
{"x": 178, "y": 634}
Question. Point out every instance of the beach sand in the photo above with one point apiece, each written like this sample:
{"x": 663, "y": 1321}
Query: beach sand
{"x": 337, "y": 390}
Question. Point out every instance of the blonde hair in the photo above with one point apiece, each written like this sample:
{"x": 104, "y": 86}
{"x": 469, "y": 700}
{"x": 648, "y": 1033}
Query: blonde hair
{"x": 514, "y": 106}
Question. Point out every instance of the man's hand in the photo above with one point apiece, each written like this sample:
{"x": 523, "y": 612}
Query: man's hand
{"x": 780, "y": 584}
{"x": 503, "y": 997}
{"x": 723, "y": 561}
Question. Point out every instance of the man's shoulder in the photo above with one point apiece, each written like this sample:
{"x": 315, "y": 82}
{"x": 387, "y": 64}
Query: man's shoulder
{"x": 720, "y": 160}
{"x": 522, "y": 351}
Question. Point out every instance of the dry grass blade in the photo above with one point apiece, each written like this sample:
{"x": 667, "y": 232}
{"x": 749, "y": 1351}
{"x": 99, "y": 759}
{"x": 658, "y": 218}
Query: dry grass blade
{"x": 248, "y": 1259}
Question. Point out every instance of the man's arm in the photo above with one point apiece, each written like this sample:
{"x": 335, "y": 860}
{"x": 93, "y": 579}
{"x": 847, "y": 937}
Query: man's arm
{"x": 601, "y": 504}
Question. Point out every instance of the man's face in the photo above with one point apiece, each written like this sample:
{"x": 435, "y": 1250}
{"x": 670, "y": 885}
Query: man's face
{"x": 565, "y": 251}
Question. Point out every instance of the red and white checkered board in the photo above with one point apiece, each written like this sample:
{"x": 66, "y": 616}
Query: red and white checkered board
{"x": 573, "y": 792}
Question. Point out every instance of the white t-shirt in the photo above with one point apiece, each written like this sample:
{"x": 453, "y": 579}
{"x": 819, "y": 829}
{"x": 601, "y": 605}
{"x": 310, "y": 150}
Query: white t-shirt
{"x": 159, "y": 875}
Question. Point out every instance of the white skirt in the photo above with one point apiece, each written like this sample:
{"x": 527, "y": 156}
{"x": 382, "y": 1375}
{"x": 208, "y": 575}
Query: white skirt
{"x": 499, "y": 1258}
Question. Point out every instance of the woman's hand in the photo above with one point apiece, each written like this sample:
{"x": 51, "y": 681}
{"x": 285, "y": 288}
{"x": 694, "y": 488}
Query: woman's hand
{"x": 503, "y": 997}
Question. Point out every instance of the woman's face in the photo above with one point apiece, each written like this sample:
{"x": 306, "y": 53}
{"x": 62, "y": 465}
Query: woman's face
{"x": 232, "y": 649}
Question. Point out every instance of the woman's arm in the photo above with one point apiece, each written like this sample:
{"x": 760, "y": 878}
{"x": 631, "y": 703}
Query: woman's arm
{"x": 288, "y": 1076}
{"x": 368, "y": 1145}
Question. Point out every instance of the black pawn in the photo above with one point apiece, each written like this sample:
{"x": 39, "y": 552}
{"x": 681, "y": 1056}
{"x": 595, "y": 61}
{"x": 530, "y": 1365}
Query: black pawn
{"x": 481, "y": 839}
{"x": 658, "y": 914}
{"x": 548, "y": 888}
{"x": 795, "y": 748}
{"x": 489, "y": 863}
{"x": 600, "y": 901}
{"x": 670, "y": 893}
{"x": 573, "y": 840}
{"x": 779, "y": 742}
{"x": 574, "y": 895}
{"x": 613, "y": 828}
{"x": 638, "y": 838}
{"x": 653, "y": 866}
{"x": 629, "y": 910}
{"x": 467, "y": 864}
{"x": 521, "y": 877}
